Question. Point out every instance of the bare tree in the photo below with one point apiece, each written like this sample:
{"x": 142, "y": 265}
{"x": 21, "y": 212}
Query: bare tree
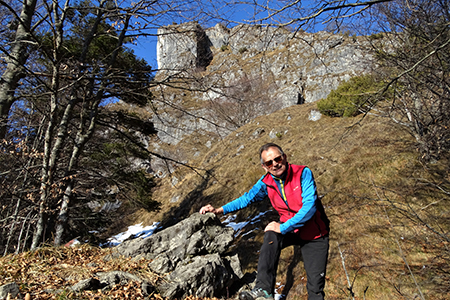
{"x": 416, "y": 55}
{"x": 242, "y": 101}
{"x": 413, "y": 54}
{"x": 77, "y": 64}
{"x": 296, "y": 14}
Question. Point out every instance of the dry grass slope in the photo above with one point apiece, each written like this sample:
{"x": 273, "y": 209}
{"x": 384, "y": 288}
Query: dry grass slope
{"x": 389, "y": 213}
{"x": 380, "y": 199}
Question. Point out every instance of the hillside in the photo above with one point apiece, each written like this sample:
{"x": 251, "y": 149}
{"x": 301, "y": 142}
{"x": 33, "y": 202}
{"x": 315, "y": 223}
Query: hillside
{"x": 382, "y": 203}
{"x": 383, "y": 206}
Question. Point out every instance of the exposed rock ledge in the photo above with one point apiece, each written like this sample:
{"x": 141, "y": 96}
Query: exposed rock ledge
{"x": 270, "y": 65}
{"x": 189, "y": 256}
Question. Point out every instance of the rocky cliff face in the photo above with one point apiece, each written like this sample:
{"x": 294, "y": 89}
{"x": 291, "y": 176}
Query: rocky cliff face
{"x": 182, "y": 47}
{"x": 309, "y": 64}
{"x": 218, "y": 79}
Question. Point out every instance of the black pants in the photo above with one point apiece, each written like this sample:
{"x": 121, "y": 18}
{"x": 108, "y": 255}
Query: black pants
{"x": 315, "y": 255}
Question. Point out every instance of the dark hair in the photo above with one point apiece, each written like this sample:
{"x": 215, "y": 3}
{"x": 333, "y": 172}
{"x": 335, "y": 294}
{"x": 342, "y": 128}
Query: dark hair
{"x": 266, "y": 147}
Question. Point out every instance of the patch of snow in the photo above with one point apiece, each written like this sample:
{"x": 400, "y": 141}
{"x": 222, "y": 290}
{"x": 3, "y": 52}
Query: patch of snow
{"x": 314, "y": 115}
{"x": 278, "y": 296}
{"x": 236, "y": 226}
{"x": 239, "y": 226}
{"x": 251, "y": 231}
{"x": 134, "y": 230}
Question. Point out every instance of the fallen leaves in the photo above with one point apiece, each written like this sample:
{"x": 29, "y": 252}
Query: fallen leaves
{"x": 48, "y": 273}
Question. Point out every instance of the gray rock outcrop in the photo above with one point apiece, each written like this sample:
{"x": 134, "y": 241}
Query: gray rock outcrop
{"x": 11, "y": 289}
{"x": 311, "y": 64}
{"x": 202, "y": 277}
{"x": 189, "y": 41}
{"x": 107, "y": 281}
{"x": 195, "y": 236}
{"x": 189, "y": 256}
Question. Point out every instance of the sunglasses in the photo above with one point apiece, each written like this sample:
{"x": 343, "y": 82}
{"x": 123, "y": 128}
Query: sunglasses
{"x": 277, "y": 159}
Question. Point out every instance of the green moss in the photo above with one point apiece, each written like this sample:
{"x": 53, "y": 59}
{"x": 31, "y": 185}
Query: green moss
{"x": 376, "y": 36}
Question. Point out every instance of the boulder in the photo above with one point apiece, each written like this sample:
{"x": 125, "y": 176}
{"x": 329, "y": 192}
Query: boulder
{"x": 203, "y": 276}
{"x": 116, "y": 277}
{"x": 194, "y": 236}
{"x": 107, "y": 280}
{"x": 87, "y": 285}
{"x": 190, "y": 257}
{"x": 10, "y": 288}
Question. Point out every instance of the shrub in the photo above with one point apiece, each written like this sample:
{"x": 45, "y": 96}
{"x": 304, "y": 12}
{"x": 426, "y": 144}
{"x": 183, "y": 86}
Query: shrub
{"x": 242, "y": 50}
{"x": 351, "y": 97}
{"x": 376, "y": 36}
{"x": 224, "y": 48}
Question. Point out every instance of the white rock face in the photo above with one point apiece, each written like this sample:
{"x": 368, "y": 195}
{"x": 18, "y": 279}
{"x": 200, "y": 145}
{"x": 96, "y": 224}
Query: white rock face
{"x": 218, "y": 35}
{"x": 286, "y": 68}
{"x": 170, "y": 43}
{"x": 307, "y": 64}
{"x": 261, "y": 38}
{"x": 181, "y": 47}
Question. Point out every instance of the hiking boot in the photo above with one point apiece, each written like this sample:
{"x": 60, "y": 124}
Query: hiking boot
{"x": 255, "y": 294}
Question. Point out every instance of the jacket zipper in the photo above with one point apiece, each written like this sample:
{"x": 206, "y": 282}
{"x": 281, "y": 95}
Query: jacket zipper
{"x": 281, "y": 196}
{"x": 289, "y": 209}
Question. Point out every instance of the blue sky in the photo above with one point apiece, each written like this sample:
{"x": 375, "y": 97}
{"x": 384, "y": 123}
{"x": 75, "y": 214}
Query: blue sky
{"x": 146, "y": 48}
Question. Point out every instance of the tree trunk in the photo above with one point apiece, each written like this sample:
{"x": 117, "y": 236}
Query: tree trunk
{"x": 19, "y": 239}
{"x": 27, "y": 233}
{"x": 40, "y": 227}
{"x": 13, "y": 225}
{"x": 63, "y": 214}
{"x": 15, "y": 60}
{"x": 81, "y": 140}
{"x": 51, "y": 151}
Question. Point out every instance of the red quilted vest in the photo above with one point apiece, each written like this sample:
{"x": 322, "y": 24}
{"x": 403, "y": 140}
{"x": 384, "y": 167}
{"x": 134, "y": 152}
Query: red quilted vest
{"x": 314, "y": 228}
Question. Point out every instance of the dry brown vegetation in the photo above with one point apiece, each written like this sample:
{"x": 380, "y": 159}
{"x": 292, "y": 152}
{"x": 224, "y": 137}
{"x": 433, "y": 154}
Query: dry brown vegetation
{"x": 48, "y": 272}
{"x": 389, "y": 213}
{"x": 383, "y": 204}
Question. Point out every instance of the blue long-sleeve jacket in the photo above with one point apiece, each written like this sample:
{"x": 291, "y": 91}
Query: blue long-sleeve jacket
{"x": 260, "y": 191}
